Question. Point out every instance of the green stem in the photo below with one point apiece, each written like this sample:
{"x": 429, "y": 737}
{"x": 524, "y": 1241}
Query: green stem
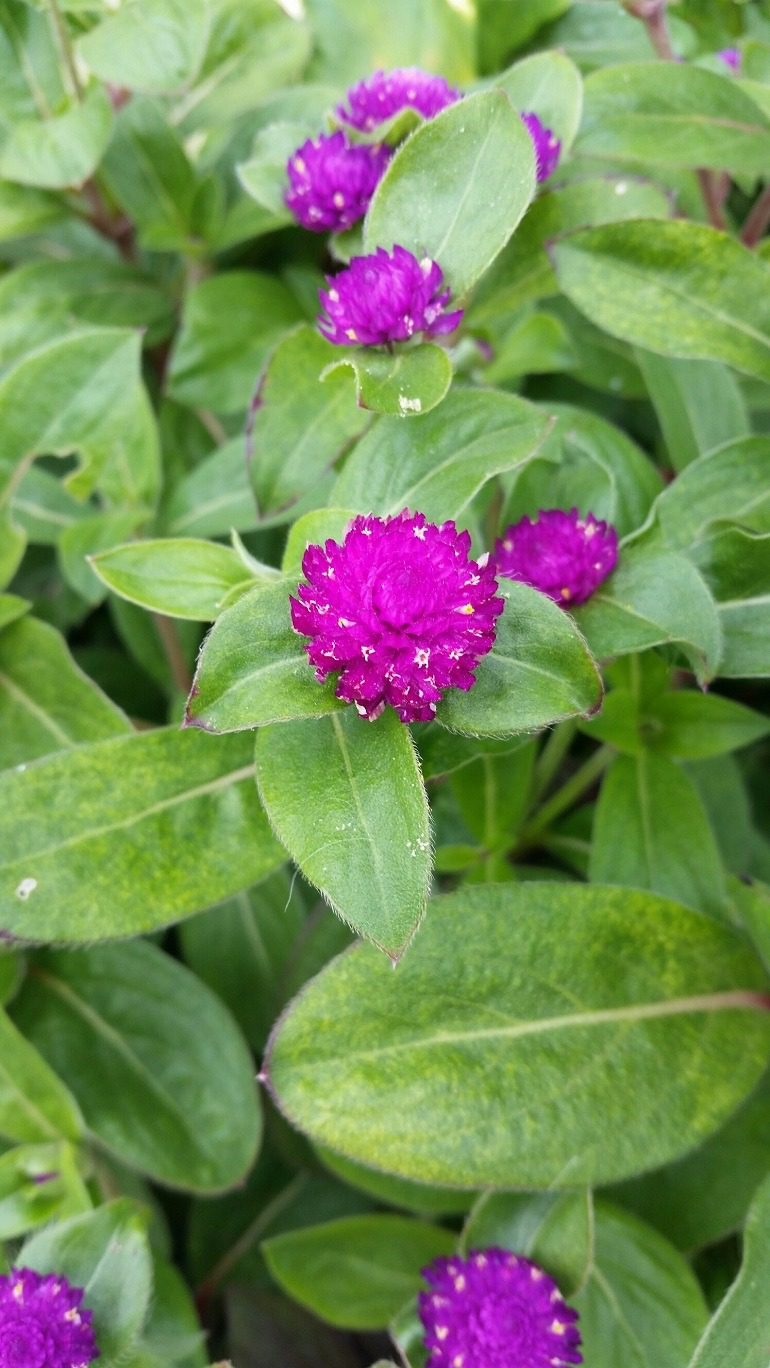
{"x": 66, "y": 49}
{"x": 551, "y": 756}
{"x": 566, "y": 797}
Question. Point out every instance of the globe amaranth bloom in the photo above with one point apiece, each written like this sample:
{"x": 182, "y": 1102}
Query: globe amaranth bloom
{"x": 43, "y": 1323}
{"x": 732, "y": 57}
{"x": 562, "y": 554}
{"x": 331, "y": 183}
{"x": 386, "y": 297}
{"x": 399, "y": 610}
{"x": 547, "y": 146}
{"x": 386, "y": 93}
{"x": 496, "y": 1310}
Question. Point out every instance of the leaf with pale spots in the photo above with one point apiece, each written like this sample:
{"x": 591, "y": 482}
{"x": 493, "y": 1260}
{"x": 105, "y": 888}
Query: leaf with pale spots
{"x": 403, "y": 384}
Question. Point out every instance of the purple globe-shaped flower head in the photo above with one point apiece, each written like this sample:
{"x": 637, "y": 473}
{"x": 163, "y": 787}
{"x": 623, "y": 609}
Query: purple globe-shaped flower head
{"x": 386, "y": 93}
{"x": 399, "y": 611}
{"x": 386, "y": 297}
{"x": 562, "y": 554}
{"x": 331, "y": 183}
{"x": 732, "y": 57}
{"x": 496, "y": 1310}
{"x": 546, "y": 144}
{"x": 43, "y": 1323}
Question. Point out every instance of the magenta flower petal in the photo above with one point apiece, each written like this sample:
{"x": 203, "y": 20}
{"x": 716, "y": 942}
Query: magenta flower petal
{"x": 331, "y": 183}
{"x": 562, "y": 554}
{"x": 43, "y": 1323}
{"x": 386, "y": 298}
{"x": 496, "y": 1310}
{"x": 732, "y": 56}
{"x": 399, "y": 611}
{"x": 547, "y": 146}
{"x": 384, "y": 94}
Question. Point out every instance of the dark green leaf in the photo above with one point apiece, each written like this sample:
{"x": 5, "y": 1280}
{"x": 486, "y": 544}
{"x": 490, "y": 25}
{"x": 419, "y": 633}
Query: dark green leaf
{"x": 555, "y": 1229}
{"x": 169, "y": 1086}
{"x": 698, "y": 404}
{"x": 738, "y": 1332}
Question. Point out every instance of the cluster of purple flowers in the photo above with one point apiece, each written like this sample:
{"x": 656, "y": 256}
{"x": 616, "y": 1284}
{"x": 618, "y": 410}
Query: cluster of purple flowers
{"x": 496, "y": 1309}
{"x": 401, "y": 613}
{"x": 43, "y": 1323}
{"x": 385, "y": 297}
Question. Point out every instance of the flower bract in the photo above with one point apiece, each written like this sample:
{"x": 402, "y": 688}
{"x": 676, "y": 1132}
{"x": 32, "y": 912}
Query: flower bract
{"x": 331, "y": 183}
{"x": 43, "y": 1323}
{"x": 732, "y": 57}
{"x": 495, "y": 1309}
{"x": 386, "y": 93}
{"x": 547, "y": 146}
{"x": 386, "y": 297}
{"x": 399, "y": 611}
{"x": 564, "y": 555}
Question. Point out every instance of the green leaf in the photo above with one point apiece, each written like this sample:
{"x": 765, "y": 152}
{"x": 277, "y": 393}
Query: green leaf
{"x": 523, "y": 272}
{"x": 244, "y": 950}
{"x": 736, "y": 564}
{"x": 215, "y": 497}
{"x": 148, "y": 172}
{"x": 24, "y": 211}
{"x": 651, "y": 831}
{"x": 55, "y": 400}
{"x": 87, "y": 537}
{"x": 730, "y": 482}
{"x": 673, "y": 115}
{"x": 587, "y": 462}
{"x": 642, "y": 1305}
{"x": 694, "y": 726}
{"x": 651, "y": 599}
{"x": 738, "y": 1332}
{"x": 253, "y": 670}
{"x": 215, "y": 366}
{"x": 39, "y": 1184}
{"x": 704, "y": 1197}
{"x": 301, "y": 426}
{"x": 34, "y": 1103}
{"x": 547, "y": 84}
{"x": 403, "y": 384}
{"x": 180, "y": 577}
{"x": 123, "y": 836}
{"x": 169, "y": 1086}
{"x": 106, "y": 1253}
{"x": 443, "y": 196}
{"x": 538, "y": 672}
{"x": 421, "y": 1198}
{"x": 439, "y": 462}
{"x": 263, "y": 176}
{"x": 313, "y": 529}
{"x": 346, "y": 798}
{"x": 356, "y": 1272}
{"x": 149, "y": 45}
{"x": 698, "y": 404}
{"x": 678, "y": 288}
{"x": 662, "y": 1033}
{"x": 61, "y": 151}
{"x": 46, "y": 702}
{"x": 353, "y": 36}
{"x": 43, "y": 507}
{"x": 12, "y": 608}
{"x": 555, "y": 1229}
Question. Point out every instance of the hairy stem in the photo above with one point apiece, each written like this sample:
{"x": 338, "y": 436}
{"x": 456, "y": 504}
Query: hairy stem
{"x": 757, "y": 220}
{"x": 565, "y": 797}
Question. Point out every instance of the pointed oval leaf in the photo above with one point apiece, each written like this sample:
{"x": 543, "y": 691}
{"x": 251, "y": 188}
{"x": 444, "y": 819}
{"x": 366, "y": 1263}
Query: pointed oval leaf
{"x": 347, "y": 800}
{"x": 663, "y": 1031}
{"x": 443, "y": 194}
{"x": 538, "y": 672}
{"x": 181, "y": 577}
{"x": 169, "y": 1086}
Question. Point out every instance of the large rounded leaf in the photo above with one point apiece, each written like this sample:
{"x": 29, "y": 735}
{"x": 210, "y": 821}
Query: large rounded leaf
{"x": 535, "y": 1035}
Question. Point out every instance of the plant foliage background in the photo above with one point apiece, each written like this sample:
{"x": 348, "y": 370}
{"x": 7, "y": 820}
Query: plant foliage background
{"x": 571, "y": 1056}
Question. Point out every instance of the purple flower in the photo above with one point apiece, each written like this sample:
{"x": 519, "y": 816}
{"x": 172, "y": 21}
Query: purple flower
{"x": 385, "y": 93}
{"x": 399, "y": 610}
{"x": 561, "y": 554}
{"x": 386, "y": 297}
{"x": 547, "y": 146}
{"x": 331, "y": 183}
{"x": 732, "y": 57}
{"x": 496, "y": 1310}
{"x": 43, "y": 1323}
